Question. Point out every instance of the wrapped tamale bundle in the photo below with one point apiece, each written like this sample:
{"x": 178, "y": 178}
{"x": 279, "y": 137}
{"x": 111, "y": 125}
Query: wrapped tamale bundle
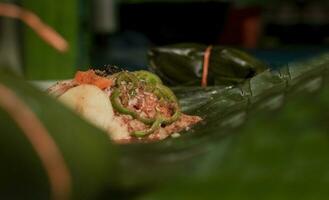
{"x": 183, "y": 64}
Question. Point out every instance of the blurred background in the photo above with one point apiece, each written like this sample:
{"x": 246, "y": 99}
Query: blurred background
{"x": 119, "y": 32}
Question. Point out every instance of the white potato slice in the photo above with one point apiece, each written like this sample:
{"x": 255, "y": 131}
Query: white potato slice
{"x": 94, "y": 105}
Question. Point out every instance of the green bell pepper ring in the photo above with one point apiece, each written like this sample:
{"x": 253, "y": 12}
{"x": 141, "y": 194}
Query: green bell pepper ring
{"x": 162, "y": 92}
{"x": 115, "y": 100}
{"x": 153, "y": 128}
{"x": 148, "y": 77}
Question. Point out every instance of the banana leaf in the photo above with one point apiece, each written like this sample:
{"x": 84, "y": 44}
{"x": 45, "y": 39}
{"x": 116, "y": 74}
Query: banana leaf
{"x": 277, "y": 155}
{"x": 214, "y": 148}
{"x": 182, "y": 64}
{"x": 86, "y": 150}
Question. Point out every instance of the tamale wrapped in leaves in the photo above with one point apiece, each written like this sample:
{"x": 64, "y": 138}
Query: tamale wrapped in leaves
{"x": 181, "y": 64}
{"x": 96, "y": 164}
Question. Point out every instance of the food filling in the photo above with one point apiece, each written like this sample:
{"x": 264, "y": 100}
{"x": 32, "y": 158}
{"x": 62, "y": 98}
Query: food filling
{"x": 130, "y": 106}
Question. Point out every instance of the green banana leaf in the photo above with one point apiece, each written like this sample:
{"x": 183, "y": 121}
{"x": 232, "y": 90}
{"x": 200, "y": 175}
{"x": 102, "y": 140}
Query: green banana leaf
{"x": 86, "y": 150}
{"x": 182, "y": 64}
{"x": 276, "y": 154}
{"x": 212, "y": 152}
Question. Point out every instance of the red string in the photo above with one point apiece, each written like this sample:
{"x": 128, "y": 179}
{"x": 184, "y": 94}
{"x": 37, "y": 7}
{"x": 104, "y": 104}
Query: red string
{"x": 47, "y": 33}
{"x": 206, "y": 59}
{"x": 50, "y": 155}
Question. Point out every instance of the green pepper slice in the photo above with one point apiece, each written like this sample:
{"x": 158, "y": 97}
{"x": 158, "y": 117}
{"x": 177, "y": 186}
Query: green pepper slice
{"x": 148, "y": 77}
{"x": 153, "y": 84}
{"x": 153, "y": 128}
{"x": 115, "y": 100}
